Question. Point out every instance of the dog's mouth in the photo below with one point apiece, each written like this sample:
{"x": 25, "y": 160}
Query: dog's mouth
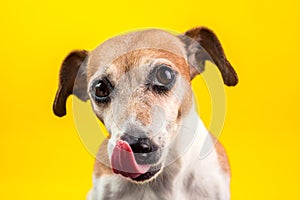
{"x": 148, "y": 175}
{"x": 123, "y": 162}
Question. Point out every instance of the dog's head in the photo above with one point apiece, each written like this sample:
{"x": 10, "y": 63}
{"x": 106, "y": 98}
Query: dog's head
{"x": 139, "y": 87}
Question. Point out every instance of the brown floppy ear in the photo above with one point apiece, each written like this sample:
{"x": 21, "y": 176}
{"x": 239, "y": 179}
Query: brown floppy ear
{"x": 201, "y": 45}
{"x": 73, "y": 68}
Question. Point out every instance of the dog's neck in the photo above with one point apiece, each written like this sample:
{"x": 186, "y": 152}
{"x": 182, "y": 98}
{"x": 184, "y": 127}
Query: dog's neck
{"x": 190, "y": 140}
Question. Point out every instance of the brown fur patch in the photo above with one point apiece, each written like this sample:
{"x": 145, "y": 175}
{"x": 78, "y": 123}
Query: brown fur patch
{"x": 186, "y": 103}
{"x": 102, "y": 163}
{"x": 134, "y": 58}
{"x": 120, "y": 45}
{"x": 222, "y": 155}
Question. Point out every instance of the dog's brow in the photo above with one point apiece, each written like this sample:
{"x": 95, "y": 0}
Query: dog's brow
{"x": 101, "y": 70}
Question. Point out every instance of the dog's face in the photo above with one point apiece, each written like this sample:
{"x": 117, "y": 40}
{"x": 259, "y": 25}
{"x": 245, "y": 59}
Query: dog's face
{"x": 141, "y": 97}
{"x": 139, "y": 87}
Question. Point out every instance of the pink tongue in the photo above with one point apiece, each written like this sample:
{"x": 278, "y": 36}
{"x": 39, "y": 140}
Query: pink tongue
{"x": 123, "y": 161}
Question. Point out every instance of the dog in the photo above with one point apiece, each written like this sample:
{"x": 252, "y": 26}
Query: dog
{"x": 139, "y": 86}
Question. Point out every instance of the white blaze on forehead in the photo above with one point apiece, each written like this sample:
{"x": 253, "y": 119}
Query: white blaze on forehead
{"x": 113, "y": 48}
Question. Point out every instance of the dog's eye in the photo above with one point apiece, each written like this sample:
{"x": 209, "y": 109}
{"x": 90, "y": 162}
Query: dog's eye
{"x": 162, "y": 79}
{"x": 164, "y": 75}
{"x": 101, "y": 90}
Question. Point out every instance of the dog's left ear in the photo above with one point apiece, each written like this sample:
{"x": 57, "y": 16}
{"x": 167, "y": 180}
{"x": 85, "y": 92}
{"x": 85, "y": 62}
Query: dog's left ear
{"x": 201, "y": 45}
{"x": 72, "y": 80}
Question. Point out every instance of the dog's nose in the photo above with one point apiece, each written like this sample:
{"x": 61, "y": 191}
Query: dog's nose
{"x": 145, "y": 151}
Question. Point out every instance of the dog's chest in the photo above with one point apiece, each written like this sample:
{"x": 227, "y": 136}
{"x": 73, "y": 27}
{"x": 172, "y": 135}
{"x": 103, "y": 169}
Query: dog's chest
{"x": 196, "y": 182}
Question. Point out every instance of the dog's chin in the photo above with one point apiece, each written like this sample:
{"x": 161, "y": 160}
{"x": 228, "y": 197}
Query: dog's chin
{"x": 151, "y": 174}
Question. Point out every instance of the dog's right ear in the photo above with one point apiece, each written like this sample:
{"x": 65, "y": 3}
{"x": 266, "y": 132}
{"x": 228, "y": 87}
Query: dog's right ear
{"x": 73, "y": 68}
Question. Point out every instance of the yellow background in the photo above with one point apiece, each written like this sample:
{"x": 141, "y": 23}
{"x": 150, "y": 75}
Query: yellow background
{"x": 42, "y": 156}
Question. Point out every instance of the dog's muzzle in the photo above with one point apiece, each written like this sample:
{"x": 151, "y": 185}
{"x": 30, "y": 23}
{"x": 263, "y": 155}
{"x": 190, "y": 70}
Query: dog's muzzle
{"x": 135, "y": 157}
